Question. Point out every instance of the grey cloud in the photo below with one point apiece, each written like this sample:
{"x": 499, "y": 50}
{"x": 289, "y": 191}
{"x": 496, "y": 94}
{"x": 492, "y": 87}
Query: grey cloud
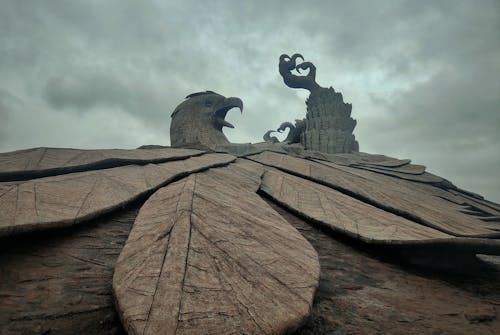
{"x": 451, "y": 124}
{"x": 4, "y": 113}
{"x": 453, "y": 103}
{"x": 84, "y": 92}
{"x": 422, "y": 75}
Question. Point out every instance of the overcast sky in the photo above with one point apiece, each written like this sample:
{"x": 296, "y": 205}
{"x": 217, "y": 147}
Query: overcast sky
{"x": 423, "y": 76}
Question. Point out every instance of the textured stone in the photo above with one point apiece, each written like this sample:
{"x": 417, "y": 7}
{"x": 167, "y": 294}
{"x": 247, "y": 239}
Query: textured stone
{"x": 404, "y": 168}
{"x": 199, "y": 259}
{"x": 366, "y": 291}
{"x": 343, "y": 214}
{"x": 382, "y": 161}
{"x": 394, "y": 195}
{"x": 59, "y": 281}
{"x": 71, "y": 198}
{"x": 412, "y": 172}
{"x": 198, "y": 121}
{"x": 294, "y": 132}
{"x": 42, "y": 162}
{"x": 328, "y": 125}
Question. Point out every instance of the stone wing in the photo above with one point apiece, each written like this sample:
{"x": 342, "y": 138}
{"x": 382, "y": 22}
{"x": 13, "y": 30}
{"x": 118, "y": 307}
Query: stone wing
{"x": 208, "y": 255}
{"x": 185, "y": 240}
{"x": 44, "y": 162}
{"x": 70, "y": 198}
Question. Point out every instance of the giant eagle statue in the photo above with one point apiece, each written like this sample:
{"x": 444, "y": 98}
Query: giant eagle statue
{"x": 209, "y": 237}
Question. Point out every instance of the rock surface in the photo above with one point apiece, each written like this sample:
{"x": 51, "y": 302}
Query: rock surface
{"x": 340, "y": 213}
{"x": 329, "y": 124}
{"x": 391, "y": 194}
{"x": 343, "y": 213}
{"x": 43, "y": 162}
{"x": 366, "y": 291}
{"x": 71, "y": 198}
{"x": 58, "y": 281}
{"x": 199, "y": 260}
{"x": 198, "y": 121}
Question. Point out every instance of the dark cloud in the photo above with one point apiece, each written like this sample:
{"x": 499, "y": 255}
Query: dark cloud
{"x": 422, "y": 75}
{"x": 6, "y": 101}
{"x": 84, "y": 92}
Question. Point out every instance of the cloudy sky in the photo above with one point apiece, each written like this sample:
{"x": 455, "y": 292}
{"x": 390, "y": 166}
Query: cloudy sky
{"x": 423, "y": 76}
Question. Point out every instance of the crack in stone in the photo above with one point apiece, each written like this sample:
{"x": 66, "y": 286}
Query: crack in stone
{"x": 243, "y": 267}
{"x": 187, "y": 257}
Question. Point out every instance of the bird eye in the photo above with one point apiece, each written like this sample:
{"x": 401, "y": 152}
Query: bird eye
{"x": 208, "y": 103}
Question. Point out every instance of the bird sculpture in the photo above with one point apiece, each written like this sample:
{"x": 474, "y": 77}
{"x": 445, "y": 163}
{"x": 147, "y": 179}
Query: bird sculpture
{"x": 210, "y": 237}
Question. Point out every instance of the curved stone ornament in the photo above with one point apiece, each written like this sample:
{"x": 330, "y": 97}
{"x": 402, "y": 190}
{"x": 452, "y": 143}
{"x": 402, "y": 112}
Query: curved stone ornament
{"x": 287, "y": 64}
{"x": 328, "y": 124}
{"x": 293, "y": 136}
{"x": 270, "y": 139}
{"x": 199, "y": 261}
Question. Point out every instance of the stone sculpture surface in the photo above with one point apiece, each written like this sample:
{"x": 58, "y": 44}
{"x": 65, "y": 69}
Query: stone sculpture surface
{"x": 293, "y": 136}
{"x": 200, "y": 118}
{"x": 270, "y": 139}
{"x": 328, "y": 126}
{"x": 305, "y": 236}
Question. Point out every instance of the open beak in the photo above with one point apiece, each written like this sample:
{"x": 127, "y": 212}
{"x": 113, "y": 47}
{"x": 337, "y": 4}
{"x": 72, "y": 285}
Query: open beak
{"x": 223, "y": 108}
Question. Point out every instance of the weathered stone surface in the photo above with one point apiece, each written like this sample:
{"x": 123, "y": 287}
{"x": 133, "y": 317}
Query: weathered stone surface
{"x": 374, "y": 160}
{"x": 343, "y": 213}
{"x": 294, "y": 132}
{"x": 198, "y": 121}
{"x": 348, "y": 159}
{"x": 59, "y": 281}
{"x": 481, "y": 208}
{"x": 399, "y": 168}
{"x": 360, "y": 292}
{"x": 287, "y": 64}
{"x": 247, "y": 172}
{"x": 42, "y": 162}
{"x": 478, "y": 203}
{"x": 68, "y": 199}
{"x": 329, "y": 125}
{"x": 270, "y": 139}
{"x": 405, "y": 168}
{"x": 245, "y": 149}
{"x": 365, "y": 291}
{"x": 423, "y": 177}
{"x": 391, "y": 194}
{"x": 208, "y": 255}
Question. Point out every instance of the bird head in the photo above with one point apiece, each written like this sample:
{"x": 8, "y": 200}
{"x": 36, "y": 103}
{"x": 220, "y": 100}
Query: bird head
{"x": 198, "y": 121}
